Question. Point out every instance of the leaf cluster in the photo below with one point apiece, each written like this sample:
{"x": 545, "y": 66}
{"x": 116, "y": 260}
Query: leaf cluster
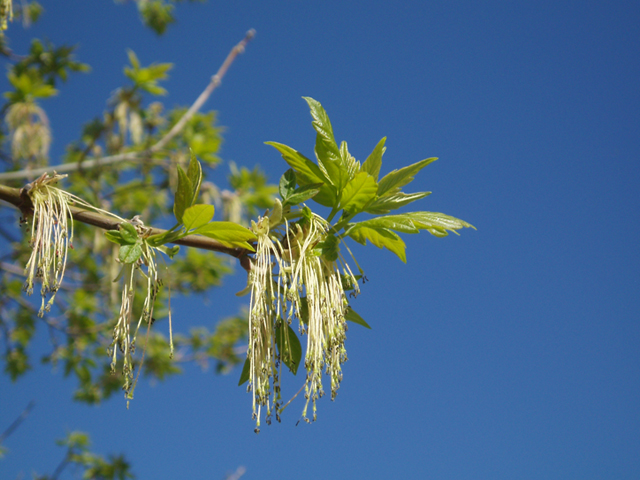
{"x": 338, "y": 181}
{"x": 158, "y": 14}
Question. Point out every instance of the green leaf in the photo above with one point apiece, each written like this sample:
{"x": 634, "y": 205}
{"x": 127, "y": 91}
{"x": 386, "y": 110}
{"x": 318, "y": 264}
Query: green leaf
{"x": 166, "y": 237}
{"x": 351, "y": 316}
{"x": 349, "y": 163}
{"x": 302, "y": 194}
{"x": 438, "y": 223}
{"x": 115, "y": 236}
{"x": 307, "y": 173}
{"x": 289, "y": 348}
{"x": 394, "y": 201}
{"x": 400, "y": 223}
{"x": 147, "y": 78}
{"x": 28, "y": 86}
{"x": 128, "y": 233}
{"x": 244, "y": 376}
{"x": 130, "y": 253}
{"x": 374, "y": 161}
{"x": 275, "y": 216}
{"x": 197, "y": 215}
{"x": 184, "y": 194}
{"x": 380, "y": 237}
{"x": 326, "y": 148}
{"x": 304, "y": 310}
{"x": 393, "y": 181}
{"x": 133, "y": 59}
{"x": 170, "y": 252}
{"x": 228, "y": 233}
{"x": 287, "y": 184}
{"x": 194, "y": 173}
{"x": 330, "y": 248}
{"x": 435, "y": 223}
{"x": 358, "y": 192}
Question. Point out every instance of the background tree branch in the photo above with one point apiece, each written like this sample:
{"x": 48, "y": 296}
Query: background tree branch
{"x": 216, "y": 80}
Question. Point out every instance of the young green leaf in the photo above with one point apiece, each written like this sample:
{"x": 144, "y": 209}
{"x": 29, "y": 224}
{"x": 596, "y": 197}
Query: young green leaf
{"x": 128, "y": 232}
{"x": 130, "y": 253}
{"x": 326, "y": 148}
{"x": 184, "y": 195}
{"x": 244, "y": 376}
{"x": 307, "y": 173}
{"x": 402, "y": 223}
{"x": 289, "y": 348}
{"x": 304, "y": 310}
{"x": 194, "y": 173}
{"x": 197, "y": 215}
{"x": 169, "y": 251}
{"x": 166, "y": 237}
{"x": 135, "y": 63}
{"x": 394, "y": 201}
{"x": 287, "y": 184}
{"x": 302, "y": 194}
{"x": 228, "y": 233}
{"x": 351, "y": 316}
{"x": 374, "y": 161}
{"x": 358, "y": 192}
{"x": 380, "y": 237}
{"x": 329, "y": 248}
{"x": 350, "y": 164}
{"x": 393, "y": 181}
{"x": 437, "y": 223}
{"x": 275, "y": 215}
{"x": 115, "y": 236}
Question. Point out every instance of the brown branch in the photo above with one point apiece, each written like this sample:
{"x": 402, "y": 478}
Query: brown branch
{"x": 99, "y": 162}
{"x": 18, "y": 199}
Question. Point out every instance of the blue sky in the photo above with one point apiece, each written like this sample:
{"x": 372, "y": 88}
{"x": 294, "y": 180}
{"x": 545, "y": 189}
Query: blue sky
{"x": 507, "y": 352}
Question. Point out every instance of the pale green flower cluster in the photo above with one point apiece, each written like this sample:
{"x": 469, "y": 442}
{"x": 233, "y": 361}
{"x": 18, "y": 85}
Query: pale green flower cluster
{"x": 123, "y": 339}
{"x": 291, "y": 278}
{"x": 51, "y": 237}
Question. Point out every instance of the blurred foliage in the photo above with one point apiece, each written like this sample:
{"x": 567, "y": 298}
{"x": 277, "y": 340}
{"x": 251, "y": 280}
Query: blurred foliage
{"x": 79, "y": 458}
{"x": 81, "y": 323}
{"x": 158, "y": 14}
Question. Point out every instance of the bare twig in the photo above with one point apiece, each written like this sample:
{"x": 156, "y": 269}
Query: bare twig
{"x": 99, "y": 162}
{"x": 16, "y": 423}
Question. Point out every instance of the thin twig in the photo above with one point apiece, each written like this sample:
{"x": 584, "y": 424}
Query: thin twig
{"x": 16, "y": 423}
{"x": 280, "y": 410}
{"x": 99, "y": 162}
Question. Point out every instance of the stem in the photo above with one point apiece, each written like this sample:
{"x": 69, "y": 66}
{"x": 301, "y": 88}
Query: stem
{"x": 332, "y": 214}
{"x": 22, "y": 201}
{"x": 99, "y": 162}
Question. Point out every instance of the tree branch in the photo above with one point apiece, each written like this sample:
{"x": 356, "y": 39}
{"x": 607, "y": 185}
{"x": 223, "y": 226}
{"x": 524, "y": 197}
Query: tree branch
{"x": 22, "y": 201}
{"x": 16, "y": 423}
{"x": 99, "y": 162}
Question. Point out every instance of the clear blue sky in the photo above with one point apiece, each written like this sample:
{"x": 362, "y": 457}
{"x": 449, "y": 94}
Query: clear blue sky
{"x": 512, "y": 352}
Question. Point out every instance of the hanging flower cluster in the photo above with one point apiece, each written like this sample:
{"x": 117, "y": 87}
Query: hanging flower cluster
{"x": 296, "y": 275}
{"x": 51, "y": 237}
